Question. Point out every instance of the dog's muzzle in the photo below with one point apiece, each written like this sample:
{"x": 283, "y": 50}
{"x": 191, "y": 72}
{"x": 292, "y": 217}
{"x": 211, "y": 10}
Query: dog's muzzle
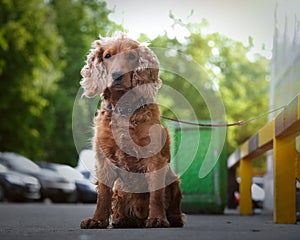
{"x": 117, "y": 76}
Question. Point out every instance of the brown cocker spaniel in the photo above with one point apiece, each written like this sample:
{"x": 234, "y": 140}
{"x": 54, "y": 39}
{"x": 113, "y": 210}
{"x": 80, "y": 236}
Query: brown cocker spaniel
{"x": 136, "y": 187}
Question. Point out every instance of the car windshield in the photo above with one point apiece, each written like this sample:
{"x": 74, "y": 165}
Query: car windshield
{"x": 21, "y": 163}
{"x": 2, "y": 168}
{"x": 69, "y": 173}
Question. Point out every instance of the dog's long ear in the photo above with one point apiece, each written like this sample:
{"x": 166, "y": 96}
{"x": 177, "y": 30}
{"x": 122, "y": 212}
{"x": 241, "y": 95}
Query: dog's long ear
{"x": 94, "y": 72}
{"x": 145, "y": 76}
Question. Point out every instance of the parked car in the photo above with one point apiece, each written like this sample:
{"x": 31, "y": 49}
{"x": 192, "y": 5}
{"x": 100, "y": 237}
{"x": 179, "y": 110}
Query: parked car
{"x": 53, "y": 186}
{"x": 18, "y": 187}
{"x": 86, "y": 164}
{"x": 86, "y": 190}
{"x": 257, "y": 192}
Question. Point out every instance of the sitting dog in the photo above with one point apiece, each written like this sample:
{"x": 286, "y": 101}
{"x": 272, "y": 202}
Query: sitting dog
{"x": 136, "y": 187}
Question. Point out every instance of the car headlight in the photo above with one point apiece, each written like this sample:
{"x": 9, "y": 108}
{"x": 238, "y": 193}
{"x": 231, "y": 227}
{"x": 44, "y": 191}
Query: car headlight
{"x": 15, "y": 179}
{"x": 30, "y": 180}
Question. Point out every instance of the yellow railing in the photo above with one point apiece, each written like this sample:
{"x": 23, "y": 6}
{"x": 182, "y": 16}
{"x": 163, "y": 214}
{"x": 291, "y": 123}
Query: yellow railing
{"x": 280, "y": 135}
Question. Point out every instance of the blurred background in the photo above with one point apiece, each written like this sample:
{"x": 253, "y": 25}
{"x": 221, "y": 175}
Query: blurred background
{"x": 43, "y": 44}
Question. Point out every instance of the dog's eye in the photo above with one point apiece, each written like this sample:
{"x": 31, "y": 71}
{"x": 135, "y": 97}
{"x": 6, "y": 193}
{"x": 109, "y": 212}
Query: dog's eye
{"x": 131, "y": 56}
{"x": 107, "y": 56}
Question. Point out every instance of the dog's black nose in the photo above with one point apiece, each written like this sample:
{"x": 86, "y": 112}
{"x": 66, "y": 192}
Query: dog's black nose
{"x": 117, "y": 75}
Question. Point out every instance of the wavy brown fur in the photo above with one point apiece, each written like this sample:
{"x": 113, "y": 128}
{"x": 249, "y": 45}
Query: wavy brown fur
{"x": 123, "y": 72}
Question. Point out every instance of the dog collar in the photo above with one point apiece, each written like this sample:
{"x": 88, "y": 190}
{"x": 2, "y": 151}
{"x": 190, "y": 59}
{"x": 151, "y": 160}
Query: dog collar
{"x": 128, "y": 109}
{"x": 109, "y": 107}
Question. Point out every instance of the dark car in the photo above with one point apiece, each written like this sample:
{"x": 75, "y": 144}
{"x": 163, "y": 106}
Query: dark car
{"x": 86, "y": 190}
{"x": 53, "y": 186}
{"x": 18, "y": 187}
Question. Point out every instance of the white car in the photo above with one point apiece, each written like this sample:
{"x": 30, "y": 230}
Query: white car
{"x": 257, "y": 192}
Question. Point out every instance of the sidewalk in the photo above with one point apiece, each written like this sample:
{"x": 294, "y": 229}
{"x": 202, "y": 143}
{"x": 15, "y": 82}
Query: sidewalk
{"x": 61, "y": 221}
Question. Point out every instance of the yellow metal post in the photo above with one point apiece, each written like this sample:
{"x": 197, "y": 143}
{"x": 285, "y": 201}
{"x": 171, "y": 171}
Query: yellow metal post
{"x": 298, "y": 158}
{"x": 246, "y": 172}
{"x": 285, "y": 180}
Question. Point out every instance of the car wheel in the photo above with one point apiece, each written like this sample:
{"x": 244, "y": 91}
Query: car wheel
{"x": 73, "y": 198}
{"x": 1, "y": 193}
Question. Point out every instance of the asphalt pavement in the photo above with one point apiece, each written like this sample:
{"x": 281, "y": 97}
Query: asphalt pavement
{"x": 61, "y": 221}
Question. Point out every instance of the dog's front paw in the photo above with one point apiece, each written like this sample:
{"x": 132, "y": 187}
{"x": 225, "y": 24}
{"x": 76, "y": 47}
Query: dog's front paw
{"x": 176, "y": 220}
{"x": 157, "y": 222}
{"x": 90, "y": 223}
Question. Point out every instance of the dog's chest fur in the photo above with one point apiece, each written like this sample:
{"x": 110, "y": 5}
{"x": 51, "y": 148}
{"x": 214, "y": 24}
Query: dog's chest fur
{"x": 122, "y": 138}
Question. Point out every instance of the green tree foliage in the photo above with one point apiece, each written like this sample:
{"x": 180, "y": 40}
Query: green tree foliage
{"x": 29, "y": 69}
{"x": 79, "y": 23}
{"x": 43, "y": 46}
{"x": 244, "y": 87}
{"x": 231, "y": 72}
